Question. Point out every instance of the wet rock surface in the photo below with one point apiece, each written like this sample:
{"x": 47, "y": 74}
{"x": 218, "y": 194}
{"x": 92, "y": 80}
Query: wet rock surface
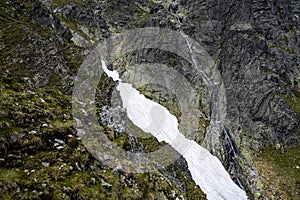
{"x": 255, "y": 45}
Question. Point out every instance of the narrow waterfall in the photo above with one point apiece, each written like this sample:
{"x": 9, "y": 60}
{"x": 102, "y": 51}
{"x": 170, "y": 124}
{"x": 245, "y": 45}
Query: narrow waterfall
{"x": 230, "y": 152}
{"x": 231, "y": 157}
{"x": 229, "y": 142}
{"x": 206, "y": 170}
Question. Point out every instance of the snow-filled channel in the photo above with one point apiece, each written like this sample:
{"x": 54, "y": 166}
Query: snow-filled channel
{"x": 207, "y": 171}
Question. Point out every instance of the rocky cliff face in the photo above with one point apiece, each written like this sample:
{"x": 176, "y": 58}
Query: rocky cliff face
{"x": 255, "y": 45}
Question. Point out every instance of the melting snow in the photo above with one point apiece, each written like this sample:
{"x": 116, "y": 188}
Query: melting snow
{"x": 207, "y": 170}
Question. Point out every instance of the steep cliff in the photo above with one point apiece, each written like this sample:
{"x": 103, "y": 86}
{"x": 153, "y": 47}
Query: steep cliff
{"x": 254, "y": 44}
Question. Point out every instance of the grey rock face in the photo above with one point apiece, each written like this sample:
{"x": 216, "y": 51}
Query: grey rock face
{"x": 47, "y": 19}
{"x": 255, "y": 45}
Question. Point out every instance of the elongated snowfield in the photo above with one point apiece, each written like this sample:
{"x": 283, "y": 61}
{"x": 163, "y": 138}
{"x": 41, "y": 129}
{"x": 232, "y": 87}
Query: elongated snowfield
{"x": 207, "y": 170}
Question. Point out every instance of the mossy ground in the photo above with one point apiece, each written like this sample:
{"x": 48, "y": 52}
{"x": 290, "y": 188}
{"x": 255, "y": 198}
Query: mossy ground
{"x": 294, "y": 101}
{"x": 33, "y": 118}
{"x": 30, "y": 121}
{"x": 29, "y": 48}
{"x": 65, "y": 2}
{"x": 280, "y": 170}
